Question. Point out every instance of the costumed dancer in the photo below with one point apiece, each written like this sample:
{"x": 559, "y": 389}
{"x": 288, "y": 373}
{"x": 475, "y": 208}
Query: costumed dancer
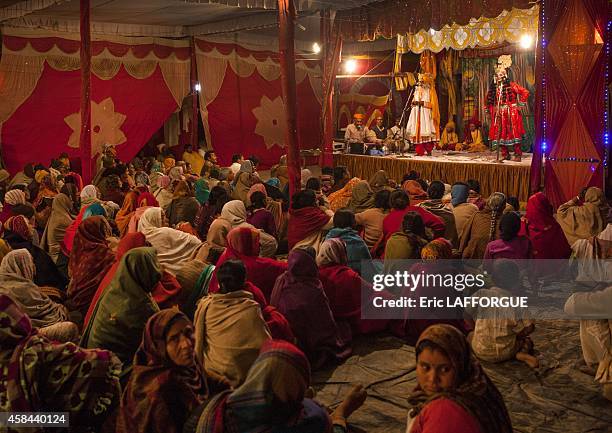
{"x": 504, "y": 101}
{"x": 421, "y": 127}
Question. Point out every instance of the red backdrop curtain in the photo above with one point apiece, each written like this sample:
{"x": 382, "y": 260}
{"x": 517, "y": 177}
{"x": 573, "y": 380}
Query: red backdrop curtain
{"x": 241, "y": 103}
{"x": 135, "y": 87}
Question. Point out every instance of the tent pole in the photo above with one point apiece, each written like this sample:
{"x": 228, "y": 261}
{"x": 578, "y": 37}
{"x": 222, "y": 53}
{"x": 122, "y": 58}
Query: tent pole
{"x": 85, "y": 53}
{"x": 286, "y": 20}
{"x": 194, "y": 99}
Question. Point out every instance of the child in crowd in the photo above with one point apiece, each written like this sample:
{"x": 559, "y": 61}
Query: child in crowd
{"x": 502, "y": 333}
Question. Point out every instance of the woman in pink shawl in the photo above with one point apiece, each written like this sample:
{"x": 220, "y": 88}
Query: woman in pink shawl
{"x": 243, "y": 244}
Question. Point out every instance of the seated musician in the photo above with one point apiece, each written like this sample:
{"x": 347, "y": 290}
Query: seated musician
{"x": 473, "y": 141}
{"x": 356, "y": 132}
{"x": 449, "y": 139}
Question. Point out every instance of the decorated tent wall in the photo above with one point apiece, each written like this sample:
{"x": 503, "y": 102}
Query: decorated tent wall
{"x": 241, "y": 104}
{"x": 136, "y": 84}
{"x": 571, "y": 87}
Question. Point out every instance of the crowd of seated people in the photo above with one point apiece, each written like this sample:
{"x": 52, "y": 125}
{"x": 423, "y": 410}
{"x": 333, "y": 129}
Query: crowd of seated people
{"x": 179, "y": 295}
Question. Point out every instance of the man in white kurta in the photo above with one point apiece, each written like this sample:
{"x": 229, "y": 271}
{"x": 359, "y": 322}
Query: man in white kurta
{"x": 421, "y": 127}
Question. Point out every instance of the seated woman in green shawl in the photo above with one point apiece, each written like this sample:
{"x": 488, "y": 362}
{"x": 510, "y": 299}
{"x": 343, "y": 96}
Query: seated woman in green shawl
{"x": 119, "y": 318}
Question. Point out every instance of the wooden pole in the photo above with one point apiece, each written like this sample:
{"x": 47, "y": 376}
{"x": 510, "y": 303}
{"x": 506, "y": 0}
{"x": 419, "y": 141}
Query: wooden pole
{"x": 286, "y": 21}
{"x": 194, "y": 98}
{"x": 85, "y": 53}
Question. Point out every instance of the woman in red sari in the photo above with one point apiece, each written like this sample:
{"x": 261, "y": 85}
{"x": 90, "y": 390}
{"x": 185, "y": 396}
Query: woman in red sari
{"x": 90, "y": 260}
{"x": 546, "y": 235}
{"x": 243, "y": 244}
{"x": 306, "y": 221}
{"x": 343, "y": 286}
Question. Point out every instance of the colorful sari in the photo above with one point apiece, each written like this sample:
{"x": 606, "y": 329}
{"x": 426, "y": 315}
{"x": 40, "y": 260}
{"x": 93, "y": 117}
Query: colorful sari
{"x": 341, "y": 198}
{"x": 160, "y": 395}
{"x": 63, "y": 378}
{"x": 90, "y": 260}
{"x": 299, "y": 296}
{"x": 125, "y": 306}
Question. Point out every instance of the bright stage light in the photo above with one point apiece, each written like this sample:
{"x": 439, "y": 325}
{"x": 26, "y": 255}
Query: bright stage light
{"x": 526, "y": 41}
{"x": 350, "y": 66}
{"x": 316, "y": 48}
{"x": 197, "y": 87}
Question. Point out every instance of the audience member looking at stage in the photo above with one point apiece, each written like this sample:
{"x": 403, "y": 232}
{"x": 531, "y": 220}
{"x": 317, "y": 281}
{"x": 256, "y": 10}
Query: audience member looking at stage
{"x": 482, "y": 228}
{"x": 372, "y": 219}
{"x": 407, "y": 243}
{"x": 509, "y": 245}
{"x": 356, "y": 248}
{"x": 400, "y": 206}
{"x": 434, "y": 204}
{"x": 583, "y": 216}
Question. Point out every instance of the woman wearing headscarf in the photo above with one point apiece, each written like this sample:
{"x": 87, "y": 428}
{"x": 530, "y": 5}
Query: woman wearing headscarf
{"x": 436, "y": 256}
{"x": 243, "y": 181}
{"x": 234, "y": 215}
{"x": 120, "y": 315}
{"x": 341, "y": 197}
{"x": 126, "y": 212}
{"x": 19, "y": 234}
{"x": 343, "y": 287}
{"x": 379, "y": 181}
{"x": 281, "y": 172}
{"x": 307, "y": 222}
{"x": 229, "y": 326}
{"x": 64, "y": 378}
{"x": 414, "y": 190}
{"x": 110, "y": 188}
{"x": 462, "y": 210}
{"x": 202, "y": 191}
{"x": 166, "y": 383}
{"x": 436, "y": 206}
{"x": 209, "y": 211}
{"x": 12, "y": 198}
{"x": 482, "y": 228}
{"x": 407, "y": 243}
{"x": 372, "y": 219}
{"x": 453, "y": 393}
{"x": 183, "y": 207}
{"x": 272, "y": 399}
{"x": 299, "y": 296}
{"x": 173, "y": 246}
{"x": 243, "y": 243}
{"x": 44, "y": 198}
{"x": 163, "y": 195}
{"x": 60, "y": 219}
{"x": 90, "y": 259}
{"x": 259, "y": 216}
{"x": 17, "y": 273}
{"x": 543, "y": 231}
{"x": 168, "y": 163}
{"x": 584, "y": 216}
{"x": 362, "y": 197}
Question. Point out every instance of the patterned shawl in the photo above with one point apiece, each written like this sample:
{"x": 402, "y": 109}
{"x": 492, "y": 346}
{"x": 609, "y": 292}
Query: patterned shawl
{"x": 125, "y": 306}
{"x": 341, "y": 198}
{"x": 270, "y": 400}
{"x": 16, "y": 280}
{"x": 63, "y": 377}
{"x": 90, "y": 259}
{"x": 473, "y": 390}
{"x": 160, "y": 393}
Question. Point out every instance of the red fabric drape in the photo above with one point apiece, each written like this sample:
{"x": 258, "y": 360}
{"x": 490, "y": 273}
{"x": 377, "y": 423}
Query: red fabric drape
{"x": 39, "y": 131}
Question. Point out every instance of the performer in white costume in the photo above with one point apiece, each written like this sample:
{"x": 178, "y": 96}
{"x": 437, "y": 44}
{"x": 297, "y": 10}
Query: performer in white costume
{"x": 421, "y": 127}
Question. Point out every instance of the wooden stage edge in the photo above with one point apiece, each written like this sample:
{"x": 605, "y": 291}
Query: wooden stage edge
{"x": 512, "y": 179}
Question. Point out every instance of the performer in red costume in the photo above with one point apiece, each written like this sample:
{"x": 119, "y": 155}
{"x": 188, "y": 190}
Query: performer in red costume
{"x": 504, "y": 101}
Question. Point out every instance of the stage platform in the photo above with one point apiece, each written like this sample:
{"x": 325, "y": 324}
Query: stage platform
{"x": 511, "y": 178}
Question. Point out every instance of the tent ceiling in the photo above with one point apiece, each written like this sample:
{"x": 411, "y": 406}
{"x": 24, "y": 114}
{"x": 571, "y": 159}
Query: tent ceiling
{"x": 170, "y": 12}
